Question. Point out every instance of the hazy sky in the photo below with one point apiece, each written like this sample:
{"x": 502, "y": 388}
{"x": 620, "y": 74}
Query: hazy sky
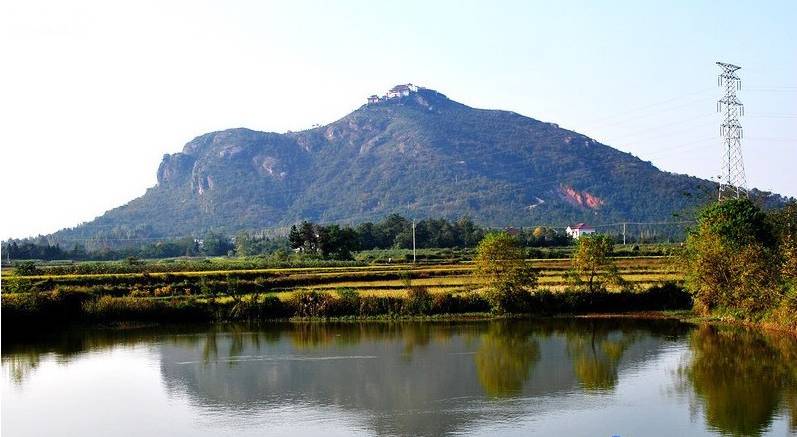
{"x": 93, "y": 93}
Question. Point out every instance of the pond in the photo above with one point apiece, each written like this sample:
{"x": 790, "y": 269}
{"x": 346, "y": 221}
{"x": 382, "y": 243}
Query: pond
{"x": 577, "y": 376}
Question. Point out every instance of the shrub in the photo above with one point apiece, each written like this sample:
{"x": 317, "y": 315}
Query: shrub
{"x": 311, "y": 303}
{"x": 348, "y": 301}
{"x": 377, "y": 306}
{"x": 418, "y": 301}
{"x": 166, "y": 290}
{"x": 26, "y": 268}
{"x": 139, "y": 293}
{"x": 270, "y": 307}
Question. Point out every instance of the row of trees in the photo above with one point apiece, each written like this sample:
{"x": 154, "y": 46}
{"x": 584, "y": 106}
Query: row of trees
{"x": 211, "y": 244}
{"x": 329, "y": 241}
{"x": 395, "y": 231}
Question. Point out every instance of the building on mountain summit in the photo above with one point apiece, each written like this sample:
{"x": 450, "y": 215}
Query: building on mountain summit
{"x": 394, "y": 93}
{"x": 578, "y": 230}
{"x": 401, "y": 91}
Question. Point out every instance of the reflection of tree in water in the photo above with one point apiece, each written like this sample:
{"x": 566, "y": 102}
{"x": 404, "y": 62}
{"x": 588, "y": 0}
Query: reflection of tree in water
{"x": 20, "y": 365}
{"x": 505, "y": 357}
{"x": 23, "y": 354}
{"x": 596, "y": 355}
{"x": 742, "y": 378}
{"x": 312, "y": 335}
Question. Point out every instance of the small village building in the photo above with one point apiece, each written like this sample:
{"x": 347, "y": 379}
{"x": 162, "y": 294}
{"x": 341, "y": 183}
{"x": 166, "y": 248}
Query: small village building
{"x": 578, "y": 230}
{"x": 396, "y": 92}
{"x": 401, "y": 91}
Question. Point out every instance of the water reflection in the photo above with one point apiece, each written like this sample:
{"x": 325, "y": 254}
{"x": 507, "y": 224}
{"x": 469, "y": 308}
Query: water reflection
{"x": 742, "y": 378}
{"x": 596, "y": 354}
{"x": 505, "y": 355}
{"x": 440, "y": 378}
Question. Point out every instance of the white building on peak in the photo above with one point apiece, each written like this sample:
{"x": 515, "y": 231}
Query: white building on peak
{"x": 394, "y": 93}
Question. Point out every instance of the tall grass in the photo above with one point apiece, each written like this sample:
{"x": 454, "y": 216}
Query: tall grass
{"x": 24, "y": 311}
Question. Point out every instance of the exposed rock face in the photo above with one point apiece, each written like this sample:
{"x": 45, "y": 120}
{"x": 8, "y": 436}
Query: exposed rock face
{"x": 420, "y": 154}
{"x": 580, "y": 198}
{"x": 175, "y": 169}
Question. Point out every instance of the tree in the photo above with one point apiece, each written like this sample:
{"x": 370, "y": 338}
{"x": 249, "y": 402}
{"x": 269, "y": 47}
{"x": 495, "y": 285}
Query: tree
{"x": 501, "y": 265}
{"x": 336, "y": 242}
{"x": 295, "y": 238}
{"x": 592, "y": 258}
{"x": 731, "y": 259}
{"x": 216, "y": 244}
{"x": 785, "y": 224}
{"x": 243, "y": 244}
{"x": 309, "y": 237}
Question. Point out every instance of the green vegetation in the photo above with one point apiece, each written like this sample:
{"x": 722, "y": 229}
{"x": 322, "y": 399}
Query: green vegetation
{"x": 31, "y": 310}
{"x": 500, "y": 279}
{"x": 739, "y": 263}
{"x": 500, "y": 264}
{"x": 592, "y": 259}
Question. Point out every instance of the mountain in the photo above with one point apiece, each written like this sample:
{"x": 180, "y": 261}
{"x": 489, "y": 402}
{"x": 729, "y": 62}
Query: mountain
{"x": 412, "y": 151}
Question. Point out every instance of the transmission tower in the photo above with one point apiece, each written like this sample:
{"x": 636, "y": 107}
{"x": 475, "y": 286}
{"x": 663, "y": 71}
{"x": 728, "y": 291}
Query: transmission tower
{"x": 732, "y": 180}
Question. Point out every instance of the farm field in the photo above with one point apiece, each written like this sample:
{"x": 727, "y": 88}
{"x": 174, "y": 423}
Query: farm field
{"x": 381, "y": 280}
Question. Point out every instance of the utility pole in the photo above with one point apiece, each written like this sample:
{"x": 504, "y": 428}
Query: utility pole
{"x": 623, "y": 233}
{"x": 413, "y": 241}
{"x": 732, "y": 179}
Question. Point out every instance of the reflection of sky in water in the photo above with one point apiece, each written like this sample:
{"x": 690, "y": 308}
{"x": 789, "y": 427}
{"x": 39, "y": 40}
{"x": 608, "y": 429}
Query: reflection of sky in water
{"x": 517, "y": 378}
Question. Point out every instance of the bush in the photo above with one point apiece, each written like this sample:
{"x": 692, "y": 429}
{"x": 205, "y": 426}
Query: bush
{"x": 270, "y": 307}
{"x": 311, "y": 303}
{"x": 26, "y": 268}
{"x": 166, "y": 290}
{"x": 348, "y": 301}
{"x": 378, "y": 306}
{"x": 418, "y": 301}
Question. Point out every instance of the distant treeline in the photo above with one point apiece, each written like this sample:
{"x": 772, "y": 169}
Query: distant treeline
{"x": 395, "y": 231}
{"x": 211, "y": 244}
{"x": 325, "y": 241}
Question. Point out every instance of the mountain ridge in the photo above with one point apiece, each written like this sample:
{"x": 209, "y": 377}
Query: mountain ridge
{"x": 415, "y": 152}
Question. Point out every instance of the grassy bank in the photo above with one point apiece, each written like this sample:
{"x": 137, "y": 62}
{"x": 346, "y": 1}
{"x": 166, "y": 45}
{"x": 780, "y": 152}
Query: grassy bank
{"x": 30, "y": 310}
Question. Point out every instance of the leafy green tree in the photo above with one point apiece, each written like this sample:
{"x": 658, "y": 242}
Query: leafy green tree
{"x": 731, "y": 259}
{"x": 500, "y": 264}
{"x": 336, "y": 242}
{"x": 214, "y": 244}
{"x": 592, "y": 259}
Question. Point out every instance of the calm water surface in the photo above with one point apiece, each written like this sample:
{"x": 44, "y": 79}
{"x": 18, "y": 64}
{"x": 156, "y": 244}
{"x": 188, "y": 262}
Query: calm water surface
{"x": 591, "y": 377}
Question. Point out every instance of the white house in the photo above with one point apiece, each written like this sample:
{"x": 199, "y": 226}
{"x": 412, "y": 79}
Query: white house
{"x": 578, "y": 230}
{"x": 373, "y": 99}
{"x": 401, "y": 91}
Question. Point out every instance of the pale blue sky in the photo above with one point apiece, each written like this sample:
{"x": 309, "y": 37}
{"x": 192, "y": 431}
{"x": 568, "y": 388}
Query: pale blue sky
{"x": 95, "y": 92}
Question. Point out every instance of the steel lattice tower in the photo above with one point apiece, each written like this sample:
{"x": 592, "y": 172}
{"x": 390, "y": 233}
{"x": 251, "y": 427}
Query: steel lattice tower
{"x": 732, "y": 179}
